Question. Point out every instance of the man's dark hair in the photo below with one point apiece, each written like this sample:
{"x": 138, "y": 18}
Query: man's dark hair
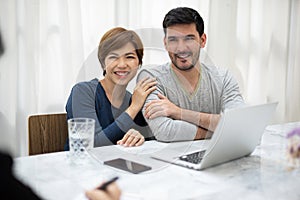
{"x": 184, "y": 15}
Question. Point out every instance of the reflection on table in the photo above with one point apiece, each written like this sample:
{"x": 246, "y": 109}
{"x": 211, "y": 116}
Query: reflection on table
{"x": 266, "y": 174}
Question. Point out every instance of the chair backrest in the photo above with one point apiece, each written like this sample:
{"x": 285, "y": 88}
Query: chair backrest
{"x": 47, "y": 133}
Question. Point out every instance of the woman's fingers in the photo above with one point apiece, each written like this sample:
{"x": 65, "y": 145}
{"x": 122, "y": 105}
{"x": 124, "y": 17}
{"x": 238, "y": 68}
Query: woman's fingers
{"x": 125, "y": 137}
{"x": 134, "y": 140}
{"x": 146, "y": 84}
{"x": 140, "y": 142}
{"x": 149, "y": 82}
{"x": 149, "y": 85}
{"x": 140, "y": 82}
{"x": 151, "y": 89}
{"x": 131, "y": 138}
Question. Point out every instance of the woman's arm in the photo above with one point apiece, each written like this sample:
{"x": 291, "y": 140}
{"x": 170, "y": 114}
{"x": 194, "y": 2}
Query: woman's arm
{"x": 81, "y": 103}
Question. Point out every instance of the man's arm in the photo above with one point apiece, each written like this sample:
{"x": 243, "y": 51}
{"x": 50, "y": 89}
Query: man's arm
{"x": 231, "y": 95}
{"x": 165, "y": 128}
{"x": 230, "y": 98}
{"x": 163, "y": 107}
{"x": 201, "y": 119}
{"x": 203, "y": 134}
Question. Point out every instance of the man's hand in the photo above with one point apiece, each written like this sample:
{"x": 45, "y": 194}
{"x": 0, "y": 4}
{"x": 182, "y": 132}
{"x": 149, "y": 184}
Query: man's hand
{"x": 162, "y": 107}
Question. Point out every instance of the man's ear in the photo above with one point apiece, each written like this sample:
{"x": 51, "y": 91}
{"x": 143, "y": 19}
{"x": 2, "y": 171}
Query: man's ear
{"x": 203, "y": 40}
{"x": 165, "y": 42}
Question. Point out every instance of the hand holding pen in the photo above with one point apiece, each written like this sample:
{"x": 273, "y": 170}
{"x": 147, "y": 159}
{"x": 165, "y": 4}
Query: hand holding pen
{"x": 108, "y": 190}
{"x": 104, "y": 185}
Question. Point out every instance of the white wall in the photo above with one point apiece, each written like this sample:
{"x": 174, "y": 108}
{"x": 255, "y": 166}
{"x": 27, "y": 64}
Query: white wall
{"x": 50, "y": 45}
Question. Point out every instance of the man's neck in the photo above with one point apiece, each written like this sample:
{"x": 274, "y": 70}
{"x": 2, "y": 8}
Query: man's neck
{"x": 189, "y": 79}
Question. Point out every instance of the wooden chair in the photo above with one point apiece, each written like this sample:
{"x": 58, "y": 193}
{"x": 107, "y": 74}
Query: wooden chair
{"x": 47, "y": 133}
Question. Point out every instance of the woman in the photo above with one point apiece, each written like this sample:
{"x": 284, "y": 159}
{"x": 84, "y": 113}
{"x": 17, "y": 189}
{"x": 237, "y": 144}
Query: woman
{"x": 115, "y": 110}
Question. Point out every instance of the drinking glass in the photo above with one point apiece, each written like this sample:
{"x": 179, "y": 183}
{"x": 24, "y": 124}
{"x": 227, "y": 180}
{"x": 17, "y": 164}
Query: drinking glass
{"x": 81, "y": 138}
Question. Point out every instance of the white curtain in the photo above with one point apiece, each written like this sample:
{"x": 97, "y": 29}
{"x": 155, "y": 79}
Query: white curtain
{"x": 51, "y": 44}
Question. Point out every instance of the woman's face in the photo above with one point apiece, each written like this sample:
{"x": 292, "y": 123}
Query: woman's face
{"x": 122, "y": 64}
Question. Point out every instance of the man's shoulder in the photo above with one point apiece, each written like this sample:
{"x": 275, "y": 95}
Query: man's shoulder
{"x": 220, "y": 76}
{"x": 214, "y": 71}
{"x": 155, "y": 70}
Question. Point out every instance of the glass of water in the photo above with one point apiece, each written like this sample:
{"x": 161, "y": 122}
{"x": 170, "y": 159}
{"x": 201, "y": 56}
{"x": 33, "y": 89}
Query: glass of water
{"x": 81, "y": 138}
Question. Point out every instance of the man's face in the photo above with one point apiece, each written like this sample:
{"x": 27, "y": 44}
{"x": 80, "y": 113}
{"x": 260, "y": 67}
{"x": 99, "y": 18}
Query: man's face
{"x": 183, "y": 43}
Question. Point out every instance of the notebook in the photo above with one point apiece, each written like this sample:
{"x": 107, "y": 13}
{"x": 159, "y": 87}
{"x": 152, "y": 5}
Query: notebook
{"x": 237, "y": 134}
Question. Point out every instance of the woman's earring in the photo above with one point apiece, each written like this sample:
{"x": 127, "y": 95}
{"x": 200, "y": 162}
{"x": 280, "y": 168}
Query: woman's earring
{"x": 104, "y": 72}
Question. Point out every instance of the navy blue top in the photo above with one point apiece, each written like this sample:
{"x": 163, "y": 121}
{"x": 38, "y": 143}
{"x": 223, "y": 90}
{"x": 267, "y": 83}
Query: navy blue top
{"x": 88, "y": 99}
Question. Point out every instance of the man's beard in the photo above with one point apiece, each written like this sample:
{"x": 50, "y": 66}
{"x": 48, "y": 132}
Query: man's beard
{"x": 183, "y": 69}
{"x": 195, "y": 59}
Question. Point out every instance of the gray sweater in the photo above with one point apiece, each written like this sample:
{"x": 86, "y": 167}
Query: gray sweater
{"x": 217, "y": 90}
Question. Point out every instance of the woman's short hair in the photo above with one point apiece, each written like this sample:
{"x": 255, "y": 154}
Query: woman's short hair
{"x": 115, "y": 39}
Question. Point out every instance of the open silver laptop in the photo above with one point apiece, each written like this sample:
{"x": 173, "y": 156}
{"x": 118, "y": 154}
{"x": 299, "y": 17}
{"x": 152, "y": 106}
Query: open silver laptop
{"x": 238, "y": 133}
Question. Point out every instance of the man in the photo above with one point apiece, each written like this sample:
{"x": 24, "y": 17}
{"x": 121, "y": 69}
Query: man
{"x": 190, "y": 94}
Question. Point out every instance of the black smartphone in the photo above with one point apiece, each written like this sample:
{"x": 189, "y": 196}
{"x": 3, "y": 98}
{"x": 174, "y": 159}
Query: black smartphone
{"x": 127, "y": 165}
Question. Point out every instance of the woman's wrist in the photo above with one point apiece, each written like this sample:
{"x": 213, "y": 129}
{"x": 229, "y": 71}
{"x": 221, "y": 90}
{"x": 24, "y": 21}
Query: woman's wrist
{"x": 132, "y": 111}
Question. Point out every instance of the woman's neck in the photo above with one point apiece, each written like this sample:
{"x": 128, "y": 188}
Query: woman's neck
{"x": 115, "y": 93}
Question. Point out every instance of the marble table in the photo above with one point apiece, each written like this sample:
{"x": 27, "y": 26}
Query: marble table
{"x": 265, "y": 174}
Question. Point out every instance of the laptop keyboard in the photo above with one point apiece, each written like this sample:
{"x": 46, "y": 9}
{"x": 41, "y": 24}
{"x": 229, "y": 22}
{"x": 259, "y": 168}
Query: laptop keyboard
{"x": 193, "y": 157}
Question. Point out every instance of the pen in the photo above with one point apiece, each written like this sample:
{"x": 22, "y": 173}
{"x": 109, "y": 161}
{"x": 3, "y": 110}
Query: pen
{"x": 104, "y": 185}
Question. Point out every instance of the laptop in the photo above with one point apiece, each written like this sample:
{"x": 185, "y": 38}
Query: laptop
{"x": 237, "y": 134}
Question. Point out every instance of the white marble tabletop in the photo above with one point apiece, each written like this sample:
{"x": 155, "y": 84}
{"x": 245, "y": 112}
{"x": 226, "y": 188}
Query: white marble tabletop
{"x": 266, "y": 174}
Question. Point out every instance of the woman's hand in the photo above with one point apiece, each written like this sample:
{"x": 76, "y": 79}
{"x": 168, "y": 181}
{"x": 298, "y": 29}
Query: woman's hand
{"x": 162, "y": 108}
{"x": 112, "y": 192}
{"x": 132, "y": 138}
{"x": 141, "y": 91}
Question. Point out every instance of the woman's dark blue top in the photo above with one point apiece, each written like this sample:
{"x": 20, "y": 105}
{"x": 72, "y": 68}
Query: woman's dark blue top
{"x": 88, "y": 99}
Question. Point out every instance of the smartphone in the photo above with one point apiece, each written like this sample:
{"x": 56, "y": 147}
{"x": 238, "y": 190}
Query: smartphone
{"x": 127, "y": 165}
